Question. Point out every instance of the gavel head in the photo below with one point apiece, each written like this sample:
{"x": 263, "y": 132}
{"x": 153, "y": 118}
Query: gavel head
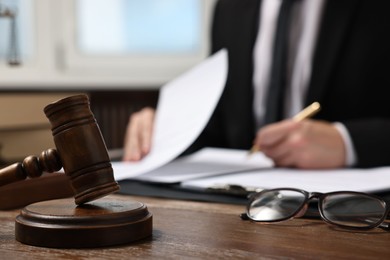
{"x": 81, "y": 148}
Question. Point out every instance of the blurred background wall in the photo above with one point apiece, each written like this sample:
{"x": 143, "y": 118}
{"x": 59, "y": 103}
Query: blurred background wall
{"x": 119, "y": 52}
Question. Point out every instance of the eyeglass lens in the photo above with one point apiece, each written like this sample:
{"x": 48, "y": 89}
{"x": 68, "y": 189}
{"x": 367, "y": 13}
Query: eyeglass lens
{"x": 353, "y": 210}
{"x": 276, "y": 205}
{"x": 345, "y": 209}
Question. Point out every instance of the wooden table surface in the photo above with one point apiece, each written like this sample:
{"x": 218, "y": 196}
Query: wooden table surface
{"x": 183, "y": 230}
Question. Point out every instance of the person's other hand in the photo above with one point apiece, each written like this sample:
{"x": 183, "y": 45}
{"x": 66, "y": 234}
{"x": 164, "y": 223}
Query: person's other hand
{"x": 305, "y": 144}
{"x": 138, "y": 136}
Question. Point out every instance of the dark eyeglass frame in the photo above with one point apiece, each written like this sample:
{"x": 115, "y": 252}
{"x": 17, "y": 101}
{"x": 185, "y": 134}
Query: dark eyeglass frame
{"x": 308, "y": 196}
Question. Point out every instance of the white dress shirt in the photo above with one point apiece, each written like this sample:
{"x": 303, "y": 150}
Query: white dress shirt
{"x": 306, "y": 19}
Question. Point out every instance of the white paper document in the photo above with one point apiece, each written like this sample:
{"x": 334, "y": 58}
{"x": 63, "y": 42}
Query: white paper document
{"x": 204, "y": 163}
{"x": 216, "y": 168}
{"x": 184, "y": 107}
{"x": 364, "y": 180}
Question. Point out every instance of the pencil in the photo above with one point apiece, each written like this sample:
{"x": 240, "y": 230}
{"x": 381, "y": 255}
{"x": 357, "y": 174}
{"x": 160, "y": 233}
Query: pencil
{"x": 307, "y": 112}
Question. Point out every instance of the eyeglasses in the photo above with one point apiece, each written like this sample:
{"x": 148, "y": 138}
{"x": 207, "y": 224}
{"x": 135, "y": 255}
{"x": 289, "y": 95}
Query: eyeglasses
{"x": 347, "y": 209}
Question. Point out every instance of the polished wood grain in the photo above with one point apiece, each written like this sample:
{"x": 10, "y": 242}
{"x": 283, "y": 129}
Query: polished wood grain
{"x": 81, "y": 148}
{"x": 47, "y": 187}
{"x": 103, "y": 222}
{"x": 197, "y": 230}
{"x": 32, "y": 166}
{"x": 82, "y": 153}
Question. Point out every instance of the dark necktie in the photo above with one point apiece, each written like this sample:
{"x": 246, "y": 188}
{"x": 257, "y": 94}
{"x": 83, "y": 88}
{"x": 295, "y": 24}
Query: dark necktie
{"x": 278, "y": 77}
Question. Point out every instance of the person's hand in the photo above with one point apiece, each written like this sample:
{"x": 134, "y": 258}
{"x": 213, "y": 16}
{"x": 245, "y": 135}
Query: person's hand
{"x": 305, "y": 144}
{"x": 139, "y": 134}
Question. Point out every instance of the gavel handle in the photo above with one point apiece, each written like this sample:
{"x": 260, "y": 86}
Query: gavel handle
{"x": 32, "y": 166}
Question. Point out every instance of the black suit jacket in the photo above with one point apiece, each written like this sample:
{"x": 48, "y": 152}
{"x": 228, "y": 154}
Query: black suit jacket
{"x": 350, "y": 75}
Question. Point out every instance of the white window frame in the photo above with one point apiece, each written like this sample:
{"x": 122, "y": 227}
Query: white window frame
{"x": 57, "y": 64}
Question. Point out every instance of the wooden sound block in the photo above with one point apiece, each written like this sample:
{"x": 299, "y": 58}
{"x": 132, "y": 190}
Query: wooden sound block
{"x": 62, "y": 224}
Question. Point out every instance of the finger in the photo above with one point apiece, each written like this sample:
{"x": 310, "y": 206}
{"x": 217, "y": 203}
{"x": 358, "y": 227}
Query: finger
{"x": 126, "y": 145}
{"x": 276, "y": 151}
{"x": 286, "y": 161}
{"x": 280, "y": 153}
{"x": 275, "y": 133}
{"x": 146, "y": 131}
{"x": 285, "y": 153}
{"x": 132, "y": 151}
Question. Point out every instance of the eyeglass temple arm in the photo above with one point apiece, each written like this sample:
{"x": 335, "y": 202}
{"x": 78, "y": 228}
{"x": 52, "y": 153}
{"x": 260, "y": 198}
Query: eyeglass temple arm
{"x": 385, "y": 226}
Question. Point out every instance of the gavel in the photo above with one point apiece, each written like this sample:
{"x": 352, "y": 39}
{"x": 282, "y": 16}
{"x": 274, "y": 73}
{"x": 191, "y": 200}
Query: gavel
{"x": 80, "y": 151}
